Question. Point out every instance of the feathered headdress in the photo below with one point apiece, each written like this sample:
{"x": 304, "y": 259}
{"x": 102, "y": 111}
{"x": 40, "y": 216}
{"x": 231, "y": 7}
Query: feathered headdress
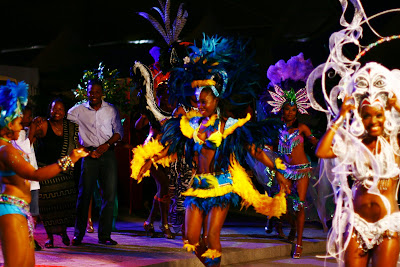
{"x": 13, "y": 99}
{"x": 288, "y": 80}
{"x": 165, "y": 59}
{"x": 368, "y": 85}
{"x": 220, "y": 63}
{"x": 169, "y": 32}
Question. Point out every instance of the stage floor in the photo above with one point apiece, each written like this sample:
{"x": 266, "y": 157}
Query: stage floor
{"x": 243, "y": 239}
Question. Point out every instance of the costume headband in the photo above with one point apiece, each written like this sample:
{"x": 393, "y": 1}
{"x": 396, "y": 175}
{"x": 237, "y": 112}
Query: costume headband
{"x": 210, "y": 83}
{"x": 13, "y": 99}
{"x": 372, "y": 102}
{"x": 288, "y": 80}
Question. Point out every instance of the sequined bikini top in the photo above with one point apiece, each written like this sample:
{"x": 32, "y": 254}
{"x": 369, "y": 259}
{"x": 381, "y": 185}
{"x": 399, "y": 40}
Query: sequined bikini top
{"x": 288, "y": 141}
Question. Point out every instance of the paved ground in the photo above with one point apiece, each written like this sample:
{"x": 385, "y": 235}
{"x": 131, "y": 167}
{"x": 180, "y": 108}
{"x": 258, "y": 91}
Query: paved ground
{"x": 243, "y": 239}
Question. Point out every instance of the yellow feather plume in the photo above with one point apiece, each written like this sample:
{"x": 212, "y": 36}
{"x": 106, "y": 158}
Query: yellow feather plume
{"x": 211, "y": 254}
{"x": 189, "y": 247}
{"x": 262, "y": 203}
{"x": 186, "y": 129}
{"x": 210, "y": 192}
{"x": 142, "y": 153}
{"x": 239, "y": 123}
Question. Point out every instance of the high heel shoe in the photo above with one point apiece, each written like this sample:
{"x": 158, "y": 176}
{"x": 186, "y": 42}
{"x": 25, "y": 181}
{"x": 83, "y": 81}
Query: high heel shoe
{"x": 296, "y": 254}
{"x": 269, "y": 227}
{"x": 49, "y": 243}
{"x": 65, "y": 239}
{"x": 149, "y": 228}
{"x": 90, "y": 228}
{"x": 166, "y": 231}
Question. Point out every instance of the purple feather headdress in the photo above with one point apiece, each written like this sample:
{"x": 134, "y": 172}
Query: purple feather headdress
{"x": 288, "y": 80}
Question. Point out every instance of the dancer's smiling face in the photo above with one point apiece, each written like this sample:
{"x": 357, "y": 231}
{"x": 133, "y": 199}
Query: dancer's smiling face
{"x": 207, "y": 103}
{"x": 373, "y": 118}
{"x": 57, "y": 111}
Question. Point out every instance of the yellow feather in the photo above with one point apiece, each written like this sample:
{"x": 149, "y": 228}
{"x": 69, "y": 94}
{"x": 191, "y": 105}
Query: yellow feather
{"x": 210, "y": 192}
{"x": 262, "y": 203}
{"x": 186, "y": 129}
{"x": 142, "y": 153}
{"x": 211, "y": 254}
{"x": 279, "y": 164}
{"x": 216, "y": 138}
{"x": 239, "y": 123}
{"x": 211, "y": 121}
{"x": 189, "y": 247}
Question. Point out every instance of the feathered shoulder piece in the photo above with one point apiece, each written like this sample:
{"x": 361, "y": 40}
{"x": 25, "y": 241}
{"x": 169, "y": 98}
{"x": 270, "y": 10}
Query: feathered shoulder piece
{"x": 232, "y": 124}
{"x": 169, "y": 32}
{"x": 189, "y": 122}
{"x": 244, "y": 132}
{"x": 221, "y": 63}
{"x": 288, "y": 79}
{"x": 13, "y": 99}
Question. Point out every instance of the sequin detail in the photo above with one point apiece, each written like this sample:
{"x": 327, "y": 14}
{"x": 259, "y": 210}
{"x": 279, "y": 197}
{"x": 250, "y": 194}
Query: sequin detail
{"x": 23, "y": 205}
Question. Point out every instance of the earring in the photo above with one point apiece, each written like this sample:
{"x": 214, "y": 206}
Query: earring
{"x": 357, "y": 127}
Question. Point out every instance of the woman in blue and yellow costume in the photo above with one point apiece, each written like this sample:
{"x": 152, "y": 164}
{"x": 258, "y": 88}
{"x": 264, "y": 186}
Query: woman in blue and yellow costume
{"x": 290, "y": 98}
{"x": 215, "y": 146}
{"x": 16, "y": 224}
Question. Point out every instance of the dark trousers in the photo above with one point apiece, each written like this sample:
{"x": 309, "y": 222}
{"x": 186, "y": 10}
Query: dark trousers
{"x": 104, "y": 169}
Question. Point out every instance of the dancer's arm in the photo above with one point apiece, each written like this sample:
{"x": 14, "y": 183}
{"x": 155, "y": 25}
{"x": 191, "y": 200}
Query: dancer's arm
{"x": 13, "y": 160}
{"x": 260, "y": 155}
{"x": 147, "y": 165}
{"x": 324, "y": 148}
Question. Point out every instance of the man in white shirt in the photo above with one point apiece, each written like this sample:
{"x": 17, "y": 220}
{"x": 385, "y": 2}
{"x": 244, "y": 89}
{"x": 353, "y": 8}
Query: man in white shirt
{"x": 23, "y": 143}
{"x": 99, "y": 129}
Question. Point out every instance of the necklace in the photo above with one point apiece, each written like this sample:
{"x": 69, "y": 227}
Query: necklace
{"x": 4, "y": 139}
{"x": 58, "y": 129}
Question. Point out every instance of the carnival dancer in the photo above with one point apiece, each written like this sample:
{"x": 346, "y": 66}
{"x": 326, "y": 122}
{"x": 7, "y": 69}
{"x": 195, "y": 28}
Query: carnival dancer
{"x": 155, "y": 78}
{"x": 290, "y": 98}
{"x": 16, "y": 224}
{"x": 362, "y": 140}
{"x": 161, "y": 201}
{"x": 214, "y": 146}
{"x": 372, "y": 161}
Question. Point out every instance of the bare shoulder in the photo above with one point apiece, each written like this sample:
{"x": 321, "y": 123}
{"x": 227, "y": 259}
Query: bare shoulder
{"x": 303, "y": 127}
{"x": 7, "y": 153}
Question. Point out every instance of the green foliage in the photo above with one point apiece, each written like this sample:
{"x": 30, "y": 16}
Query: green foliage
{"x": 117, "y": 91}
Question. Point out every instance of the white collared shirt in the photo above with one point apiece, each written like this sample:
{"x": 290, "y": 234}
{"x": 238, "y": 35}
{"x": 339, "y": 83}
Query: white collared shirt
{"x": 25, "y": 146}
{"x": 96, "y": 126}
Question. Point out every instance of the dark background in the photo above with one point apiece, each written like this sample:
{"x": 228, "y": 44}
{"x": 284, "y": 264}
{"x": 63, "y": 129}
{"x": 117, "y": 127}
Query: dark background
{"x": 76, "y": 35}
{"x": 63, "y": 38}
